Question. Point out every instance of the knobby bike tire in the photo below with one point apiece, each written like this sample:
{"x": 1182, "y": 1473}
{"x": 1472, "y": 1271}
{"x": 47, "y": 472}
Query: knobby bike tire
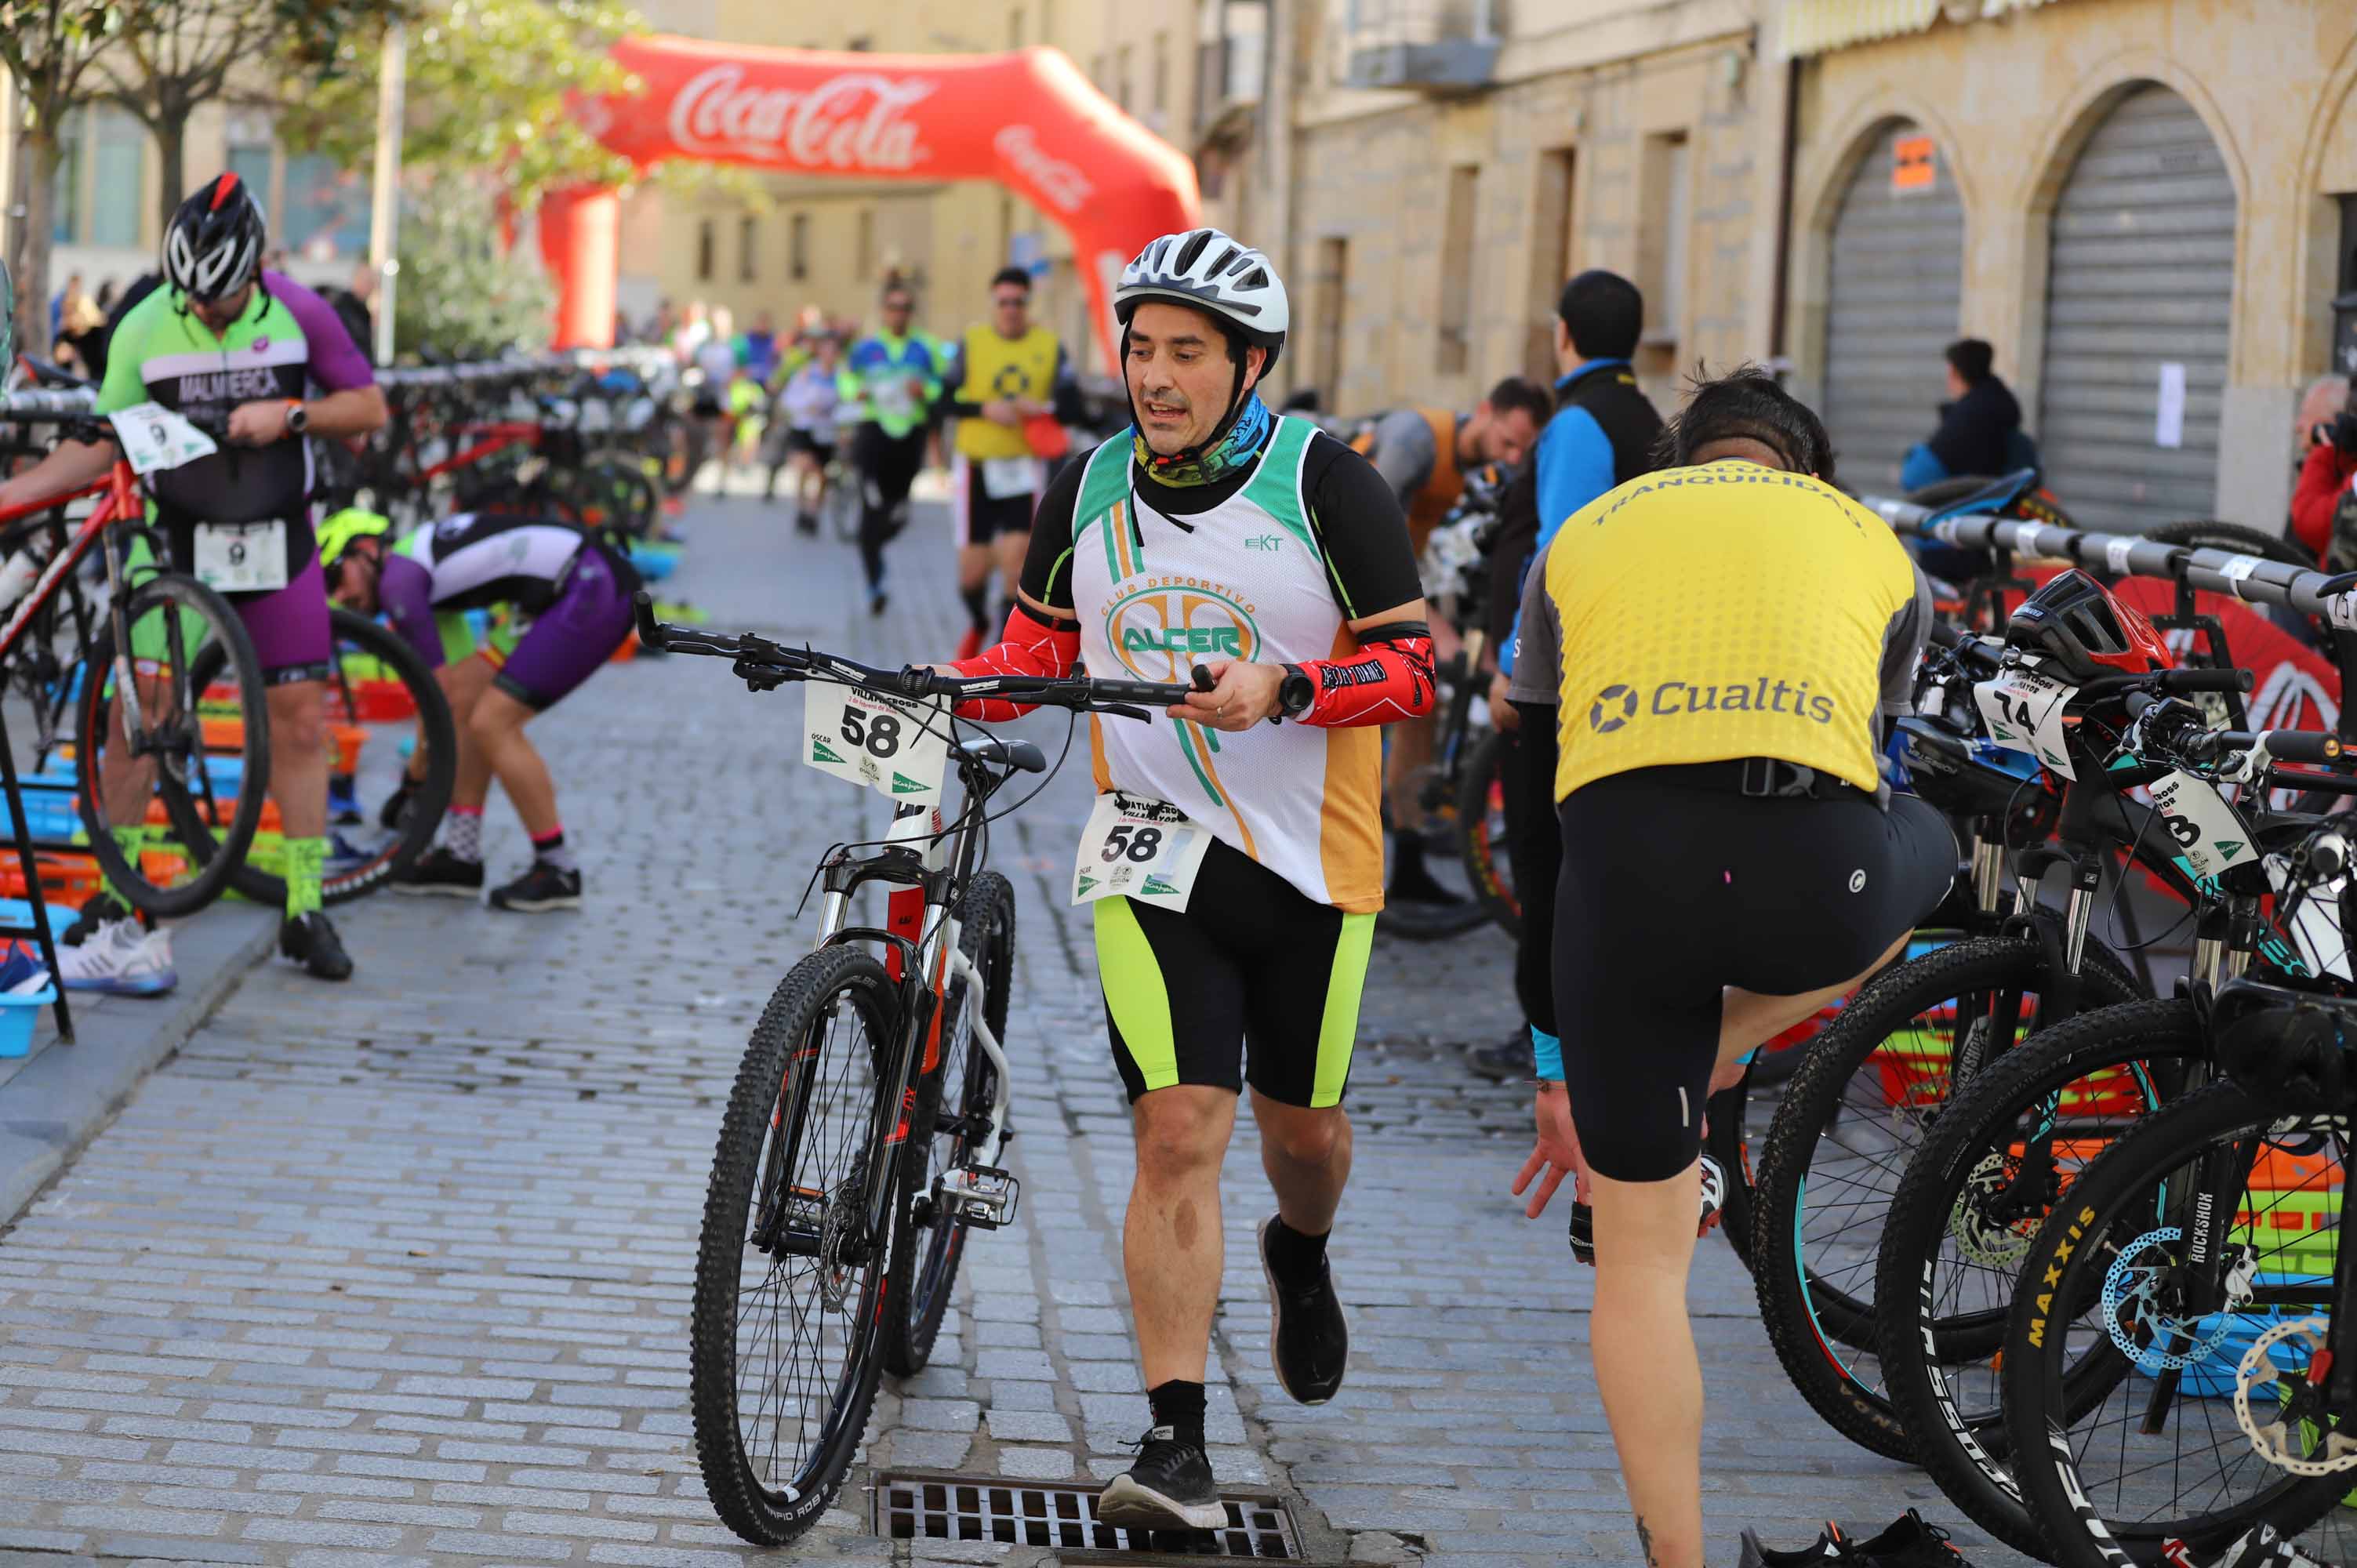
{"x": 428, "y": 799}
{"x": 1961, "y": 1440}
{"x": 963, "y": 1081}
{"x": 792, "y": 1032}
{"x": 1487, "y": 867}
{"x": 1810, "y": 1320}
{"x": 2044, "y": 1398}
{"x": 2206, "y": 533}
{"x": 221, "y": 651}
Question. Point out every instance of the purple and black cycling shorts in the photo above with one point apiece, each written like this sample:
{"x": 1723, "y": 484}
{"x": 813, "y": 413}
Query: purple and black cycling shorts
{"x": 289, "y": 626}
{"x": 576, "y": 633}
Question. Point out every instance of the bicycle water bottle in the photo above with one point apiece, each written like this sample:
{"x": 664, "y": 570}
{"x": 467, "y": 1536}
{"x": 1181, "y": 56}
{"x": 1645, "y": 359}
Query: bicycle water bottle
{"x": 23, "y": 568}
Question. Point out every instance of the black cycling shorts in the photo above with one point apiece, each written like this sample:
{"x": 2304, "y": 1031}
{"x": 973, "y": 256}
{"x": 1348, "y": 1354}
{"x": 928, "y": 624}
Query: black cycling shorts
{"x": 1676, "y": 886}
{"x": 1253, "y": 983}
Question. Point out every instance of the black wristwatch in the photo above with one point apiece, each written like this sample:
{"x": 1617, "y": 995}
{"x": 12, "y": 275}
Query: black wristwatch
{"x": 1296, "y": 692}
{"x": 298, "y": 419}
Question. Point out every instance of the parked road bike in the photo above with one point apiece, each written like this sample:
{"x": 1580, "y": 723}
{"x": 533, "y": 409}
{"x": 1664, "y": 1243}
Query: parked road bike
{"x": 146, "y": 674}
{"x": 862, "y": 1138}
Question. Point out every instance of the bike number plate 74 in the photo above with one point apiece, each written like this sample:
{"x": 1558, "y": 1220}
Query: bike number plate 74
{"x": 2023, "y": 710}
{"x": 1146, "y": 849}
{"x": 899, "y": 748}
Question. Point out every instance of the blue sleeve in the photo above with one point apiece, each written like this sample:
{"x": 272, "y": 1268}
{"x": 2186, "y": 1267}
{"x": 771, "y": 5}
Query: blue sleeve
{"x": 1575, "y": 463}
{"x": 1922, "y": 468}
{"x": 405, "y": 592}
{"x": 1575, "y": 467}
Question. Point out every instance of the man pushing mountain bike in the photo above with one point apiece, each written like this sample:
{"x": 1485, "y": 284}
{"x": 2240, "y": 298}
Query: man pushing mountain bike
{"x": 1234, "y": 859}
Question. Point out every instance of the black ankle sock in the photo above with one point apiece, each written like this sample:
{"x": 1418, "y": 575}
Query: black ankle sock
{"x": 1178, "y": 1406}
{"x": 977, "y": 605}
{"x": 1294, "y": 1258}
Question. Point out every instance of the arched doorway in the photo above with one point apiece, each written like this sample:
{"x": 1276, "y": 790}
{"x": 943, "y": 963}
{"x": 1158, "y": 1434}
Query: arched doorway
{"x": 1894, "y": 289}
{"x": 2139, "y": 297}
{"x": 1028, "y": 120}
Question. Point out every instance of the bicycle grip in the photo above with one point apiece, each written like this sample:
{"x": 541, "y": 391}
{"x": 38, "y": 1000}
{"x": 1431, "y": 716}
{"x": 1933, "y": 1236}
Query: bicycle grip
{"x": 2187, "y": 680}
{"x": 642, "y": 609}
{"x": 2318, "y": 747}
{"x": 1202, "y": 678}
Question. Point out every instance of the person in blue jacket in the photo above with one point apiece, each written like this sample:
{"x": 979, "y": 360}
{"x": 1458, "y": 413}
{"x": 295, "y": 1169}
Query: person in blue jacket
{"x": 1980, "y": 424}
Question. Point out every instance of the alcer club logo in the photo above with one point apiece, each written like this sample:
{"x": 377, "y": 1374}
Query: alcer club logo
{"x": 1614, "y": 706}
{"x": 1166, "y": 625}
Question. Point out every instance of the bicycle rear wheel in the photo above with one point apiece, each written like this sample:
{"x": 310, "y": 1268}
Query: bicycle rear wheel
{"x": 380, "y": 695}
{"x": 786, "y": 1339}
{"x": 145, "y": 762}
{"x": 1483, "y": 834}
{"x": 952, "y": 1118}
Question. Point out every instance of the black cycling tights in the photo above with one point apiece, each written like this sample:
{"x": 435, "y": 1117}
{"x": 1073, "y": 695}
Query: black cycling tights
{"x": 1675, "y": 886}
{"x": 887, "y": 466}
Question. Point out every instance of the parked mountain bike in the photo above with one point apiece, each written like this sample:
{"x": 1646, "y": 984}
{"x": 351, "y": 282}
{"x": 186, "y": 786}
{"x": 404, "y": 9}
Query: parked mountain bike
{"x": 2178, "y": 1361}
{"x": 2013, "y": 1141}
{"x": 863, "y": 1137}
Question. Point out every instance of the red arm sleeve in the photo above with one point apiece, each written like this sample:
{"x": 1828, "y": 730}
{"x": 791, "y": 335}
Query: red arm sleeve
{"x": 1388, "y": 680}
{"x": 1029, "y": 647}
{"x": 2321, "y": 480}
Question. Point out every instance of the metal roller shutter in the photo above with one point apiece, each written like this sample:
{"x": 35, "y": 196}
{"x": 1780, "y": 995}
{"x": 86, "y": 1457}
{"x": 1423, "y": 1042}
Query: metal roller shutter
{"x": 1892, "y": 304}
{"x": 2141, "y": 275}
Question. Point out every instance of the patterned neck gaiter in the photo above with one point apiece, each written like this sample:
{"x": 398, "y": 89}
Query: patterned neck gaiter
{"x": 1208, "y": 464}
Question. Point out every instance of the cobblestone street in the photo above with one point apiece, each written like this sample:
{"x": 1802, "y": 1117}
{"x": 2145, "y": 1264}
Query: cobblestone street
{"x": 399, "y": 1269}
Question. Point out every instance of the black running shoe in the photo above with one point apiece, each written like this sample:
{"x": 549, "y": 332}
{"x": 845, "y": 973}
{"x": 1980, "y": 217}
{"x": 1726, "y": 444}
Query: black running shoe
{"x": 103, "y": 910}
{"x": 439, "y": 871}
{"x": 1504, "y": 1062}
{"x": 1832, "y": 1547}
{"x": 1308, "y": 1343}
{"x": 1169, "y": 1488}
{"x": 312, "y": 942}
{"x": 539, "y": 890}
{"x": 1911, "y": 1541}
{"x": 1412, "y": 883}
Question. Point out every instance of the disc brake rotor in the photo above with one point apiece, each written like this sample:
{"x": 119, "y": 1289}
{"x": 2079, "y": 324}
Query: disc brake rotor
{"x": 1980, "y": 1239}
{"x": 2133, "y": 1309}
{"x": 2294, "y": 1404}
{"x": 843, "y": 1216}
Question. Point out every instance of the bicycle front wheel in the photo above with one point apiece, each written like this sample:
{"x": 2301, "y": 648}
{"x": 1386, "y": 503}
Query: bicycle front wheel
{"x": 2157, "y": 1380}
{"x": 380, "y": 696}
{"x": 786, "y": 1339}
{"x": 188, "y": 810}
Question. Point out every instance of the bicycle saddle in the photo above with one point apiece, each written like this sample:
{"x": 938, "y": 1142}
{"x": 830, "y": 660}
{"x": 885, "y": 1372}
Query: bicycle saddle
{"x": 50, "y": 373}
{"x": 1020, "y": 755}
{"x": 1997, "y": 495}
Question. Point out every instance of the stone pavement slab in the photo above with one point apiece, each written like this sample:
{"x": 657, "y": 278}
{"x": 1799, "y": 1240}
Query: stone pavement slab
{"x": 398, "y": 1271}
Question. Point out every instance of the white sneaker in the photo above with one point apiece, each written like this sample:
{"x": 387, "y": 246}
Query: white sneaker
{"x": 120, "y": 959}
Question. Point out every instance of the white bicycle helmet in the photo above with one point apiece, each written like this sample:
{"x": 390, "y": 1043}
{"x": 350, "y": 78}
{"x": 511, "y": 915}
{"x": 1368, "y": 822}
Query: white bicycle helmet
{"x": 213, "y": 245}
{"x": 1206, "y": 269}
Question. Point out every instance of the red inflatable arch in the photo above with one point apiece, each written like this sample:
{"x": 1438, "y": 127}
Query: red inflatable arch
{"x": 1028, "y": 120}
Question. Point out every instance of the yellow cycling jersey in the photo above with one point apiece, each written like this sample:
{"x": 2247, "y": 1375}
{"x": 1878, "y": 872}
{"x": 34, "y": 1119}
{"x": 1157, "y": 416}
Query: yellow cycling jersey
{"x": 1724, "y": 611}
{"x": 998, "y": 366}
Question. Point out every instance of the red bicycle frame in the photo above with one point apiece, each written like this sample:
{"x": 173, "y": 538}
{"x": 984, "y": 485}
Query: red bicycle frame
{"x": 122, "y": 500}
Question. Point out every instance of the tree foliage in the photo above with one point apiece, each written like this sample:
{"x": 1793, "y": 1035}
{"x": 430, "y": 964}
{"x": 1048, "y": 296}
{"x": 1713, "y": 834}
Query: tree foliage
{"x": 456, "y": 294}
{"x": 489, "y": 88}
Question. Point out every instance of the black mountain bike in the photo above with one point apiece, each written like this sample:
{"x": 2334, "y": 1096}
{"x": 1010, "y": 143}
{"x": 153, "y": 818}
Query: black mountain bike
{"x": 863, "y": 1137}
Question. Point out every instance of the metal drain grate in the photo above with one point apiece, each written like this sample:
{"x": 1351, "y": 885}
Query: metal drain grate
{"x": 991, "y": 1507}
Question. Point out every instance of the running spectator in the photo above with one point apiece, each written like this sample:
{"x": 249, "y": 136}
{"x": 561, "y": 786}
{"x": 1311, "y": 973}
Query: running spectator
{"x": 1980, "y": 424}
{"x": 808, "y": 407}
{"x": 888, "y": 382}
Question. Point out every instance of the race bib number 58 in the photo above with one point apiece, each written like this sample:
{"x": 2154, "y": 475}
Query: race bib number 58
{"x": 899, "y": 748}
{"x": 1144, "y": 849}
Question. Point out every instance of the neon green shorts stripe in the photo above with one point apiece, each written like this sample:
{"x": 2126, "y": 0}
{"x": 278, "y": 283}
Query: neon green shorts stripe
{"x": 1337, "y": 1027}
{"x": 1135, "y": 991}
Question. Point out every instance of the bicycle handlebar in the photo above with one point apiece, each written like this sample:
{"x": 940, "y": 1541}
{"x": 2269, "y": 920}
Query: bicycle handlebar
{"x": 750, "y": 650}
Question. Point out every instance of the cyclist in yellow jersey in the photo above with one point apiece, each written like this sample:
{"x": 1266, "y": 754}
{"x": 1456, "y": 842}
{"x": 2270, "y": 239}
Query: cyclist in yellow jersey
{"x": 1734, "y": 632}
{"x": 1216, "y": 535}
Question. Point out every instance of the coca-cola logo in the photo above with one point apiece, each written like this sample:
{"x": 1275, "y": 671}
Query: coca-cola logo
{"x": 855, "y": 121}
{"x": 1059, "y": 182}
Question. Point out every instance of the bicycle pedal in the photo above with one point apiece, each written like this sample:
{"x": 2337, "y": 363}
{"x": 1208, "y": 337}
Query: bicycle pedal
{"x": 984, "y": 1196}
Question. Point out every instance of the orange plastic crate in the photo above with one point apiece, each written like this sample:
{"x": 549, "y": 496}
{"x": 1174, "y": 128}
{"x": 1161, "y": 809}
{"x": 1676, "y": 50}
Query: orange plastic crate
{"x": 157, "y": 817}
{"x": 70, "y": 878}
{"x": 228, "y": 735}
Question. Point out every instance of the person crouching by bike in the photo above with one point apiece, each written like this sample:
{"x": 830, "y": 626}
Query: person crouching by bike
{"x": 1425, "y": 454}
{"x": 577, "y": 591}
{"x": 1218, "y": 534}
{"x": 1733, "y": 635}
